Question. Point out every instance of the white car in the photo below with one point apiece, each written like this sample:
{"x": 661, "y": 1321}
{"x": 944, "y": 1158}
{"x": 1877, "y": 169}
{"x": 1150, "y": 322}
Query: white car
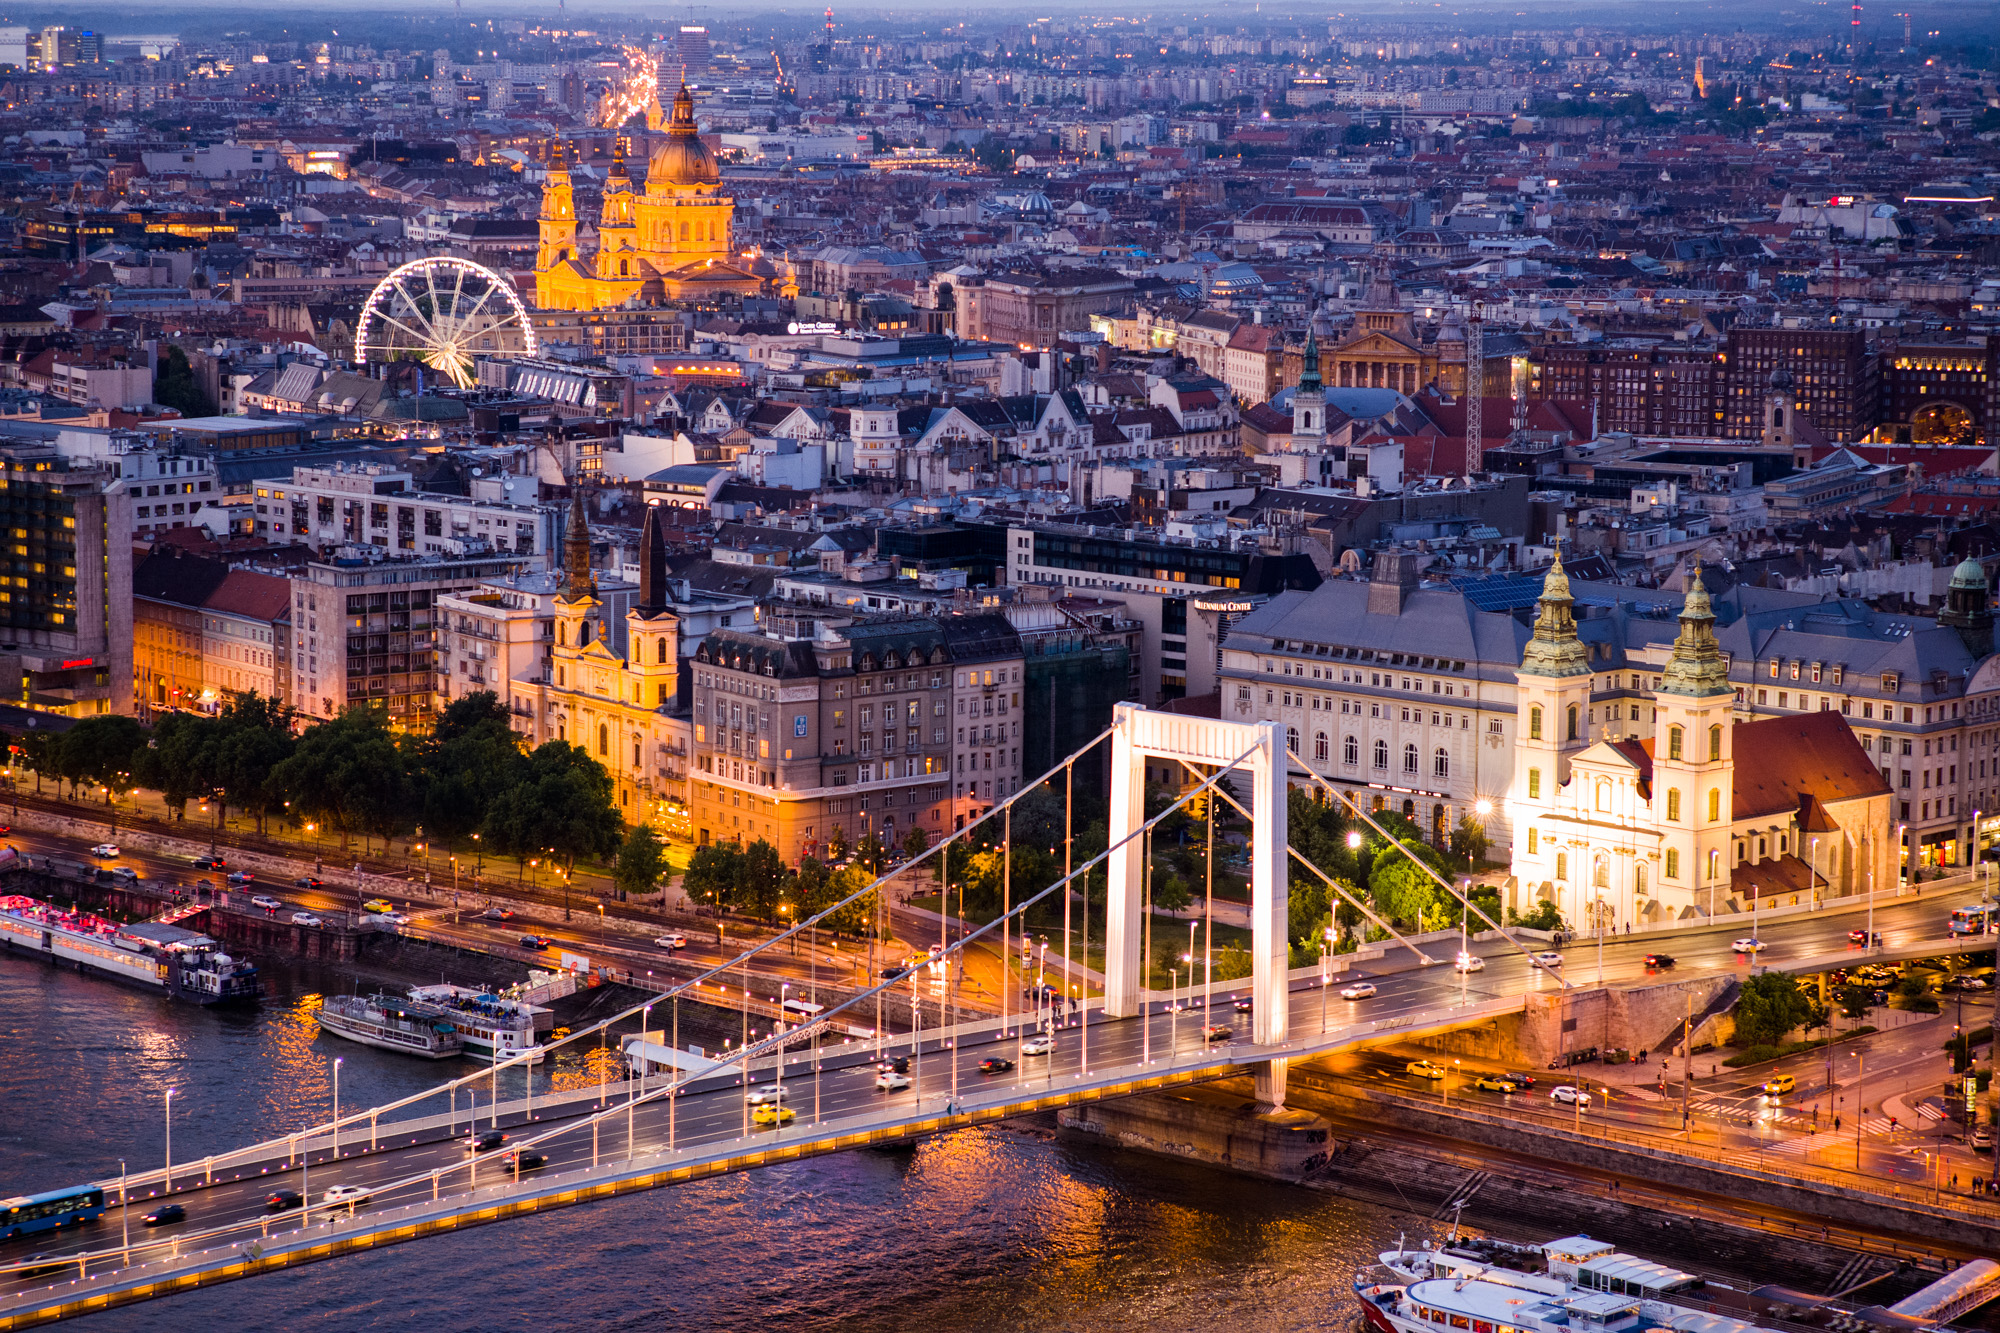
{"x": 1360, "y": 990}
{"x": 1548, "y": 958}
{"x": 306, "y": 919}
{"x": 1468, "y": 962}
{"x": 124, "y": 872}
{"x": 1748, "y": 944}
{"x": 266, "y": 902}
{"x": 770, "y": 1096}
{"x": 1569, "y": 1095}
{"x": 106, "y": 849}
{"x": 400, "y": 918}
{"x": 676, "y": 940}
{"x": 347, "y": 1194}
{"x": 1041, "y": 1045}
{"x": 890, "y": 1081}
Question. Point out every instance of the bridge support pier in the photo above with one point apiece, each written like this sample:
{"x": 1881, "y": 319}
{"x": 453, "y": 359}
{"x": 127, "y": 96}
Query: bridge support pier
{"x": 1269, "y": 1078}
{"x": 1205, "y": 744}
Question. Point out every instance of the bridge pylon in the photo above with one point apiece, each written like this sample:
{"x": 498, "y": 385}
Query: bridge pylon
{"x": 1139, "y": 734}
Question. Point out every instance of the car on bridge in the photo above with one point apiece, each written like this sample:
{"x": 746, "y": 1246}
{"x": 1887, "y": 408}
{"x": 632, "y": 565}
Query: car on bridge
{"x": 768, "y": 1096}
{"x": 1547, "y": 958}
{"x": 1659, "y": 960}
{"x": 995, "y": 1064}
{"x": 1217, "y": 1032}
{"x": 672, "y": 940}
{"x": 280, "y": 1200}
{"x": 1748, "y": 944}
{"x": 351, "y": 1195}
{"x": 890, "y": 1081}
{"x": 772, "y": 1116}
{"x": 1860, "y": 936}
{"x": 306, "y": 919}
{"x": 267, "y": 902}
{"x": 1496, "y": 1083}
{"x": 1244, "y": 1004}
{"x": 527, "y": 1159}
{"x": 106, "y": 850}
{"x": 1424, "y": 1069}
{"x": 1360, "y": 990}
{"x": 1043, "y": 1044}
{"x": 166, "y": 1216}
{"x": 1569, "y": 1095}
{"x": 1468, "y": 962}
{"x": 485, "y": 1142}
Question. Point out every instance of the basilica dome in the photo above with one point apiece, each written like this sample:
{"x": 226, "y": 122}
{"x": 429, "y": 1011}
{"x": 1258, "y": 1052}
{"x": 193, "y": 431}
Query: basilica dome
{"x": 683, "y": 159}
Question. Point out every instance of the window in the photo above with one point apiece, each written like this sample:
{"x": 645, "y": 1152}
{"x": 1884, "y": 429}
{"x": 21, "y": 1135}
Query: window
{"x": 1382, "y": 755}
{"x": 1639, "y": 878}
{"x": 1292, "y": 739}
{"x": 1322, "y": 747}
{"x": 1350, "y": 751}
{"x": 1714, "y": 805}
{"x": 603, "y": 739}
{"x": 1440, "y": 764}
{"x": 1673, "y": 742}
{"x": 1534, "y": 841}
{"x": 1600, "y": 871}
{"x": 1562, "y": 865}
{"x": 1715, "y": 745}
{"x": 1673, "y": 804}
{"x": 1535, "y": 723}
{"x": 1604, "y": 796}
{"x": 1673, "y": 863}
{"x": 1571, "y": 733}
{"x": 1534, "y": 784}
{"x": 1409, "y": 758}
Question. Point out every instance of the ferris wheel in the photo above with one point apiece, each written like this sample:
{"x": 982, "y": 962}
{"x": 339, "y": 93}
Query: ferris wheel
{"x": 441, "y": 311}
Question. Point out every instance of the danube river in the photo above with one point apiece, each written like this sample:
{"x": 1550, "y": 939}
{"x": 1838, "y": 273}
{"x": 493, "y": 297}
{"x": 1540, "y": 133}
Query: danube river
{"x": 984, "y": 1230}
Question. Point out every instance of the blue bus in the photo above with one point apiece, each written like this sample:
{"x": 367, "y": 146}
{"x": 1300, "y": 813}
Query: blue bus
{"x": 1974, "y": 919}
{"x": 45, "y": 1212}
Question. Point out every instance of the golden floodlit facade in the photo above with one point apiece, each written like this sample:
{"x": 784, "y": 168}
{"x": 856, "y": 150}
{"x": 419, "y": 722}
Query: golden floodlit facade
{"x": 669, "y": 243}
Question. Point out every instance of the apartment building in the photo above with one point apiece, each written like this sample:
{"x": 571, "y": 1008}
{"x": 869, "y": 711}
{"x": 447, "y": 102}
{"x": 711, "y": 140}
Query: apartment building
{"x": 373, "y": 504}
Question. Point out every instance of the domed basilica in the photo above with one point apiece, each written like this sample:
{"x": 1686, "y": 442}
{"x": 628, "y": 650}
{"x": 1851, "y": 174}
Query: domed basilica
{"x": 671, "y": 243}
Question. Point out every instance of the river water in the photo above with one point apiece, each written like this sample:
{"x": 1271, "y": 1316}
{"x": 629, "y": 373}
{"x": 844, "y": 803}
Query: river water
{"x": 982, "y": 1230}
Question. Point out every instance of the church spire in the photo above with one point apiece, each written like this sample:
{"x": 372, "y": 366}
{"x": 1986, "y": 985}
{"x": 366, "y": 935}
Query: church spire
{"x": 1555, "y": 649}
{"x": 1309, "y": 380}
{"x": 577, "y": 583}
{"x": 1696, "y": 666}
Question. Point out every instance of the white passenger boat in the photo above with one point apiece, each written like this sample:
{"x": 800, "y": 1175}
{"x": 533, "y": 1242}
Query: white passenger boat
{"x": 390, "y": 1024}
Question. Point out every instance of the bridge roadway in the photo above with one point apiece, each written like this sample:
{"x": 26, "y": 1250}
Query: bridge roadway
{"x": 708, "y": 1118}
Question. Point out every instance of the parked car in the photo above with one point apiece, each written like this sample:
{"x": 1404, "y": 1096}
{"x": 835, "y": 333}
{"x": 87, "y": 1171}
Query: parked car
{"x": 306, "y": 919}
{"x": 161, "y": 1217}
{"x": 106, "y": 849}
{"x": 267, "y": 902}
{"x": 1360, "y": 990}
{"x": 1658, "y": 960}
{"x": 1569, "y": 1095}
{"x": 536, "y": 943}
{"x": 672, "y": 940}
{"x": 1981, "y": 1138}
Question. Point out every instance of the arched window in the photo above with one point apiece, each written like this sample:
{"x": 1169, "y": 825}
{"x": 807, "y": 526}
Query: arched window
{"x": 624, "y": 269}
{"x": 583, "y": 634}
{"x": 1350, "y": 751}
{"x": 562, "y": 635}
{"x": 662, "y": 650}
{"x": 1382, "y": 754}
{"x": 1562, "y": 865}
{"x": 1535, "y": 723}
{"x": 1603, "y": 795}
{"x": 1441, "y": 764}
{"x": 1715, "y": 745}
{"x": 1673, "y": 805}
{"x": 1409, "y": 758}
{"x": 1292, "y": 739}
{"x": 1714, "y": 805}
{"x": 1322, "y": 747}
{"x": 1600, "y": 871}
{"x": 1778, "y": 417}
{"x": 684, "y": 231}
{"x": 1571, "y": 733}
{"x": 1639, "y": 878}
{"x": 603, "y": 739}
{"x": 1673, "y": 742}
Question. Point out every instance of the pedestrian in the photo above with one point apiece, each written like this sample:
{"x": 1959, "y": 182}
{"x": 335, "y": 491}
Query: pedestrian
{"x": 1836, "y": 1124}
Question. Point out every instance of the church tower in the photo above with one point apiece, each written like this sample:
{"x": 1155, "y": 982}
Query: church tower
{"x": 1692, "y": 758}
{"x": 577, "y": 624}
{"x": 1551, "y": 726}
{"x": 653, "y": 628}
{"x": 558, "y": 219}
{"x": 1779, "y": 414}
{"x": 1967, "y": 608}
{"x": 617, "y": 225}
{"x": 1309, "y": 402}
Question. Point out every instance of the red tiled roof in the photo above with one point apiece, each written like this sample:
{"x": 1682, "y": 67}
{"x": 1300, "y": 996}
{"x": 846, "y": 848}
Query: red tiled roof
{"x": 1779, "y": 760}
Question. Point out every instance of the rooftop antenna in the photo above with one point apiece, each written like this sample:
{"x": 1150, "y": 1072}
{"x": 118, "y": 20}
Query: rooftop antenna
{"x": 1475, "y": 394}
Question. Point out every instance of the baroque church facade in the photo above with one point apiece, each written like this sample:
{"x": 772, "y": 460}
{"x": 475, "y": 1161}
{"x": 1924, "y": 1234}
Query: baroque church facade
{"x": 1703, "y": 817}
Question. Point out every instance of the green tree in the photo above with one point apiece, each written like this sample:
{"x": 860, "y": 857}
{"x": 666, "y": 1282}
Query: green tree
{"x": 762, "y": 880}
{"x": 561, "y": 805}
{"x": 1855, "y": 1000}
{"x": 711, "y": 874}
{"x": 470, "y": 711}
{"x": 469, "y": 758}
{"x": 641, "y": 858}
{"x": 871, "y": 855}
{"x": 1771, "y": 1005}
{"x": 175, "y": 386}
{"x": 1398, "y": 887}
{"x": 1544, "y": 915}
{"x": 348, "y": 772}
{"x": 101, "y": 751}
{"x": 916, "y": 842}
{"x": 1468, "y": 841}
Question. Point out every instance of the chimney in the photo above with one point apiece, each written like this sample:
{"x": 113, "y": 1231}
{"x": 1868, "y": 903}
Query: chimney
{"x": 1389, "y": 587}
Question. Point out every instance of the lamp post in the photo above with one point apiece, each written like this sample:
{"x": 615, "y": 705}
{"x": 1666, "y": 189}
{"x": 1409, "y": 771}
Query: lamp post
{"x": 124, "y": 1217}
{"x": 1812, "y": 878}
{"x": 478, "y": 858}
{"x": 1860, "y": 1076}
{"x": 167, "y": 1176}
{"x": 336, "y": 1108}
{"x": 600, "y": 929}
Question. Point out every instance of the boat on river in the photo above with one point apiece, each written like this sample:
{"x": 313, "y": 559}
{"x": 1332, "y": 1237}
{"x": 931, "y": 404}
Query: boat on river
{"x": 390, "y": 1024}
